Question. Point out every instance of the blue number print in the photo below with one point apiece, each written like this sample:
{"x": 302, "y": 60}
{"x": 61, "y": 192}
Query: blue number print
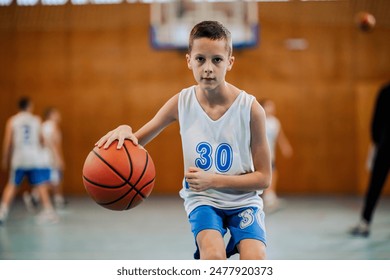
{"x": 224, "y": 157}
{"x": 205, "y": 160}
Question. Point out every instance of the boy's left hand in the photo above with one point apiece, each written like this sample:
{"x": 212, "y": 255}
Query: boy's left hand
{"x": 198, "y": 180}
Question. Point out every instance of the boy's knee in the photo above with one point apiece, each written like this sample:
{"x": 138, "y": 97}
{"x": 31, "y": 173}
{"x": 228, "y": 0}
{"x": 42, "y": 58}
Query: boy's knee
{"x": 254, "y": 255}
{"x": 212, "y": 253}
{"x": 211, "y": 245}
{"x": 252, "y": 250}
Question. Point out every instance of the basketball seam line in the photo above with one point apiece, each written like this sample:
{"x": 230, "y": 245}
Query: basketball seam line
{"x": 143, "y": 197}
{"x": 113, "y": 169}
{"x": 103, "y": 186}
{"x": 140, "y": 177}
{"x": 145, "y": 165}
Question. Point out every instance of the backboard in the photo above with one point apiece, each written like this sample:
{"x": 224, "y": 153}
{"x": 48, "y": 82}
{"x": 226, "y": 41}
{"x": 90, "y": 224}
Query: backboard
{"x": 172, "y": 21}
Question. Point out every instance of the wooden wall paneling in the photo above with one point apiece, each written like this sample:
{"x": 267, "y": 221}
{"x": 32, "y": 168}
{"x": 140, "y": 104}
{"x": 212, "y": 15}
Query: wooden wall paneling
{"x": 7, "y": 106}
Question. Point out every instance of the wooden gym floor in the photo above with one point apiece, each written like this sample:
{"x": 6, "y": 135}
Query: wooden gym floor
{"x": 306, "y": 228}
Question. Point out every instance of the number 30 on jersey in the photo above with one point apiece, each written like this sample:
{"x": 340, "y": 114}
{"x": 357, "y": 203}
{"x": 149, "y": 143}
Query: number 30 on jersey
{"x": 222, "y": 157}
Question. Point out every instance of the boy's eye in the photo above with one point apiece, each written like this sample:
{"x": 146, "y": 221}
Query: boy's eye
{"x": 201, "y": 59}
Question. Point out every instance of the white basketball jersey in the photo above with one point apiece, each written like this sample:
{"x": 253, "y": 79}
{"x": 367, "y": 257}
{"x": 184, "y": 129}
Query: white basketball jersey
{"x": 26, "y": 145}
{"x": 218, "y": 146}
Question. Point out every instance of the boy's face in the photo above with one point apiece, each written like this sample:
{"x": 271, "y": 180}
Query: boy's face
{"x": 209, "y": 61}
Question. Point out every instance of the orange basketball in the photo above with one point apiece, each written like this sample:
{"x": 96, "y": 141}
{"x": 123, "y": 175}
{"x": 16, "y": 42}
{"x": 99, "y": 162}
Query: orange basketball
{"x": 119, "y": 179}
{"x": 365, "y": 21}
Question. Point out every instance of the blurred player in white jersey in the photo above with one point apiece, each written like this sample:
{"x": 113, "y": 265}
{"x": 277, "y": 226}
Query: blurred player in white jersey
{"x": 53, "y": 139}
{"x": 22, "y": 149}
{"x": 52, "y": 151}
{"x": 276, "y": 137}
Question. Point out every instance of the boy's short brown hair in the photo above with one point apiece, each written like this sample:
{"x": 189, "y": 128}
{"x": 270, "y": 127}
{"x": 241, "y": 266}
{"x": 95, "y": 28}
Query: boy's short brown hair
{"x": 212, "y": 30}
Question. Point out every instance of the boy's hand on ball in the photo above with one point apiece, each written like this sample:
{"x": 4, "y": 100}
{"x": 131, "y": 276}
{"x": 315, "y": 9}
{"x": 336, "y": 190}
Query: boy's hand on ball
{"x": 121, "y": 133}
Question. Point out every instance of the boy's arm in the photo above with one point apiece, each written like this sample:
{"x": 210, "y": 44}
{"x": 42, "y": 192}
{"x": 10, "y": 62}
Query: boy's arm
{"x": 55, "y": 144}
{"x": 284, "y": 144}
{"x": 59, "y": 149}
{"x": 259, "y": 179}
{"x": 165, "y": 116}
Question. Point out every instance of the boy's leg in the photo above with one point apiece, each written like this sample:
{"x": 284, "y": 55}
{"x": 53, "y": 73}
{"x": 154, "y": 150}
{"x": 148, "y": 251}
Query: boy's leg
{"x": 208, "y": 229}
{"x": 15, "y": 178}
{"x": 248, "y": 236}
{"x": 44, "y": 195}
{"x": 48, "y": 214}
{"x": 29, "y": 201}
{"x": 56, "y": 186}
{"x": 6, "y": 200}
{"x": 251, "y": 249}
{"x": 39, "y": 179}
{"x": 8, "y": 195}
{"x": 211, "y": 245}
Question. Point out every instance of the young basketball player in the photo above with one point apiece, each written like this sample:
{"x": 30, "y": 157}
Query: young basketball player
{"x": 53, "y": 149}
{"x": 22, "y": 145}
{"x": 52, "y": 152}
{"x": 275, "y": 137}
{"x": 226, "y": 154}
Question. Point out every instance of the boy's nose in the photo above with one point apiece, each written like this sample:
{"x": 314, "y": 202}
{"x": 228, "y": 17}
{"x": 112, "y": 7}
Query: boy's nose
{"x": 208, "y": 67}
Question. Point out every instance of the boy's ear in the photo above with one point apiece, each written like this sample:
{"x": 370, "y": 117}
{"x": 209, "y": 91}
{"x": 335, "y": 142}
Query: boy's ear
{"x": 188, "y": 58}
{"x": 231, "y": 62}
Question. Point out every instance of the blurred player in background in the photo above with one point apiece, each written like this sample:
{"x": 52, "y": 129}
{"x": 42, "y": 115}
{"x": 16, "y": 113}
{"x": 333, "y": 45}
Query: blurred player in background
{"x": 53, "y": 148}
{"x": 53, "y": 154}
{"x": 276, "y": 137}
{"x": 22, "y": 148}
{"x": 380, "y": 136}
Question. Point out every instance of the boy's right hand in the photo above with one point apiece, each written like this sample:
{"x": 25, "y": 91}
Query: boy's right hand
{"x": 120, "y": 133}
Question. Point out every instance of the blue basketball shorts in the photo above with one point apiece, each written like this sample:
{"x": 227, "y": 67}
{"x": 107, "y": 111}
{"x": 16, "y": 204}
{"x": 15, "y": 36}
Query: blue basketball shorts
{"x": 35, "y": 176}
{"x": 242, "y": 223}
